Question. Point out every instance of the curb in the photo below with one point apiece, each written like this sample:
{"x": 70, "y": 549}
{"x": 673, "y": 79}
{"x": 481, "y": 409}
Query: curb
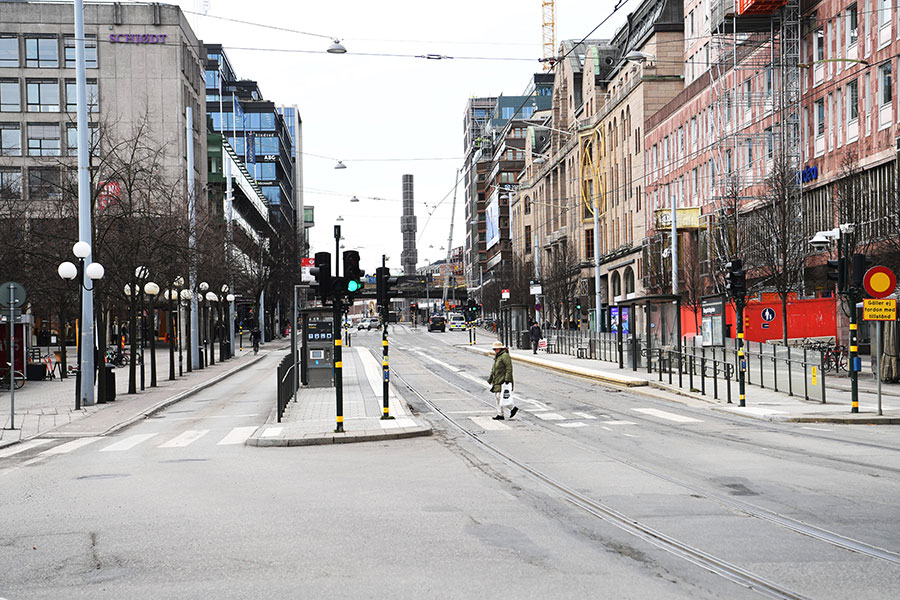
{"x": 348, "y": 437}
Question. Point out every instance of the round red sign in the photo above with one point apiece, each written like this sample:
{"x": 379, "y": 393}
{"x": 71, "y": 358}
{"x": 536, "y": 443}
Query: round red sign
{"x": 880, "y": 282}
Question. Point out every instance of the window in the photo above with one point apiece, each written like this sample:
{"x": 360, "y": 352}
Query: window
{"x": 10, "y": 183}
{"x": 92, "y": 95}
{"x": 527, "y": 239}
{"x": 267, "y": 121}
{"x": 265, "y": 170}
{"x": 884, "y": 76}
{"x": 72, "y": 138}
{"x": 852, "y": 21}
{"x": 44, "y": 184}
{"x": 853, "y": 100}
{"x": 267, "y": 145}
{"x": 42, "y": 95}
{"x": 820, "y": 44}
{"x": 10, "y": 139}
{"x": 527, "y": 112}
{"x": 588, "y": 243}
{"x": 212, "y": 80}
{"x": 820, "y": 116}
{"x": 508, "y": 112}
{"x": 10, "y": 95}
{"x": 90, "y": 51}
{"x": 41, "y": 52}
{"x": 9, "y": 51}
{"x": 272, "y": 194}
{"x": 884, "y": 13}
{"x": 770, "y": 144}
{"x": 43, "y": 139}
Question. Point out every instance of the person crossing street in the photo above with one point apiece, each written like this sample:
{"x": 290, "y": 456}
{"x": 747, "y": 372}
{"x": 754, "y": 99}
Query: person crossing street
{"x": 536, "y": 334}
{"x": 501, "y": 381}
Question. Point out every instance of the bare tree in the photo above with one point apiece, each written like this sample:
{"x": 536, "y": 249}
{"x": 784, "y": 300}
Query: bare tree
{"x": 560, "y": 284}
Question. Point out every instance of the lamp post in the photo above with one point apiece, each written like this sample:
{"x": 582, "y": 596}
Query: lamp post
{"x": 94, "y": 272}
{"x": 173, "y": 295}
{"x": 221, "y": 322}
{"x": 201, "y": 338}
{"x": 230, "y": 320}
{"x": 186, "y": 296}
{"x": 211, "y": 300}
{"x": 152, "y": 290}
{"x": 140, "y": 274}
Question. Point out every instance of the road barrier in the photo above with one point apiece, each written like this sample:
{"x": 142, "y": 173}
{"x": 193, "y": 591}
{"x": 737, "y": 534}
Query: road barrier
{"x": 284, "y": 386}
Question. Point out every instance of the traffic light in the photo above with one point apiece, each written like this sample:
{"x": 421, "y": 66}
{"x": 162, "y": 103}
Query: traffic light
{"x": 836, "y": 274}
{"x": 578, "y": 305}
{"x": 860, "y": 265}
{"x": 322, "y": 272}
{"x": 351, "y": 283}
{"x": 735, "y": 279}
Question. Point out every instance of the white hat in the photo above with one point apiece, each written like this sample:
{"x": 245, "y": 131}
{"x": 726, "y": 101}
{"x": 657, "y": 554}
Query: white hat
{"x": 497, "y": 345}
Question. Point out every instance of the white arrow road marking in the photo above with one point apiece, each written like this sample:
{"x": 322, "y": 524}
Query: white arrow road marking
{"x": 73, "y": 445}
{"x": 666, "y": 415}
{"x": 489, "y": 423}
{"x": 238, "y": 435}
{"x": 128, "y": 443}
{"x": 12, "y": 450}
{"x": 185, "y": 439}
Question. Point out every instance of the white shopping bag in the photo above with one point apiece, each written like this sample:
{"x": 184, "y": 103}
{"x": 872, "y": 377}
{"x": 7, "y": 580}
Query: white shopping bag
{"x": 542, "y": 345}
{"x": 506, "y": 399}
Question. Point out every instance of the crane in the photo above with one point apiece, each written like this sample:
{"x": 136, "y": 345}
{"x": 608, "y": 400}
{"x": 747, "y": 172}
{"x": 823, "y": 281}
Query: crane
{"x": 548, "y": 30}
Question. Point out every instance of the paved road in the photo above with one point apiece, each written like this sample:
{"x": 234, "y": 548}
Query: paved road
{"x": 178, "y": 506}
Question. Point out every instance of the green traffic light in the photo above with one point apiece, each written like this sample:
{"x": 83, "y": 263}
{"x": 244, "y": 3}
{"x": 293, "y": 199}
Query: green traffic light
{"x": 353, "y": 286}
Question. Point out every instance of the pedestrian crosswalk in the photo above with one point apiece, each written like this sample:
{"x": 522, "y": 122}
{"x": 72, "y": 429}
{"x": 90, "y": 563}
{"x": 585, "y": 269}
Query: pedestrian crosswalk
{"x": 578, "y": 419}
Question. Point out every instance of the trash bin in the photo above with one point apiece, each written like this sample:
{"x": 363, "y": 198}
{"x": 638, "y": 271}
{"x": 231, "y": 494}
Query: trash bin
{"x": 226, "y": 349}
{"x": 110, "y": 384}
{"x": 525, "y": 340}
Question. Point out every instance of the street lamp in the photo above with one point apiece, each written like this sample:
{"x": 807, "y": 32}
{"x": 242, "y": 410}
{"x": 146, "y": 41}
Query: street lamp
{"x": 230, "y": 299}
{"x": 340, "y": 165}
{"x": 94, "y": 272}
{"x": 336, "y": 47}
{"x": 211, "y": 299}
{"x": 224, "y": 345}
{"x": 354, "y": 199}
{"x": 201, "y": 341}
{"x": 137, "y": 303}
{"x": 174, "y": 327}
{"x": 186, "y": 296}
{"x": 152, "y": 290}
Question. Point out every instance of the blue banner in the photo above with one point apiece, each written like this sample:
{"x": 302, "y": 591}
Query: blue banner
{"x": 250, "y": 143}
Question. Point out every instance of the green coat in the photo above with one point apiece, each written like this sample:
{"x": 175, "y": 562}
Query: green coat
{"x": 501, "y": 372}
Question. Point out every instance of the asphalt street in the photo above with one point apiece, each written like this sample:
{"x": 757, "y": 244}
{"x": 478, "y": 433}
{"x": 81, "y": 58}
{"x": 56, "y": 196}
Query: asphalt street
{"x": 178, "y": 506}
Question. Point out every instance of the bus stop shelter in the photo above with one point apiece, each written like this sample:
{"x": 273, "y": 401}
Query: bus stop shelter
{"x": 644, "y": 327}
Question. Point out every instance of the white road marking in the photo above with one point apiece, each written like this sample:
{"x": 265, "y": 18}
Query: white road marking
{"x": 755, "y": 410}
{"x": 128, "y": 443}
{"x": 209, "y": 417}
{"x": 606, "y": 428}
{"x": 538, "y": 406}
{"x": 489, "y": 423}
{"x": 238, "y": 435}
{"x": 69, "y": 446}
{"x": 469, "y": 412}
{"x": 375, "y": 375}
{"x": 17, "y": 448}
{"x": 550, "y": 416}
{"x": 629, "y": 435}
{"x": 271, "y": 432}
{"x": 816, "y": 428}
{"x": 575, "y": 424}
{"x": 666, "y": 415}
{"x": 619, "y": 423}
{"x": 585, "y": 415}
{"x": 186, "y": 438}
{"x": 396, "y": 423}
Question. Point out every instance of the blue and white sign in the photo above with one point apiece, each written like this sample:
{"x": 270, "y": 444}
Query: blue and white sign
{"x": 768, "y": 315}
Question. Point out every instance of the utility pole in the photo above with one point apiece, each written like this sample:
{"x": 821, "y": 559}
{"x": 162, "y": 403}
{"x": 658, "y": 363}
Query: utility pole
{"x": 382, "y": 288}
{"x": 336, "y": 334}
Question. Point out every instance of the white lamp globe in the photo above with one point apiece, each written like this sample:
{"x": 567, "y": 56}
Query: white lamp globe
{"x": 81, "y": 249}
{"x": 151, "y": 289}
{"x": 67, "y": 270}
{"x": 94, "y": 271}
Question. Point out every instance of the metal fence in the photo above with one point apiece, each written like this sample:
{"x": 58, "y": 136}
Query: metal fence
{"x": 284, "y": 386}
{"x": 706, "y": 369}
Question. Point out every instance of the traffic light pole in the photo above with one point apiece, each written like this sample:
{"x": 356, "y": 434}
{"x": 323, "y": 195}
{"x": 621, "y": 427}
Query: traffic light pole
{"x": 385, "y": 369}
{"x": 854, "y": 349}
{"x": 336, "y": 335}
{"x": 742, "y": 360}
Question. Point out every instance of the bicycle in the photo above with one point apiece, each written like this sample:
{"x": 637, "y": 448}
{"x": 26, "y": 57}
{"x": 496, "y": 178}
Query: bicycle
{"x": 18, "y": 379}
{"x": 835, "y": 357}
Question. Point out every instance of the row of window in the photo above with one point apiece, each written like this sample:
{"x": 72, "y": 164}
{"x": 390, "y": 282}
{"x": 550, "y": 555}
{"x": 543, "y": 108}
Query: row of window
{"x": 43, "y": 95}
{"x": 253, "y": 121}
{"x": 42, "y": 139}
{"x": 42, "y": 51}
{"x": 44, "y": 183}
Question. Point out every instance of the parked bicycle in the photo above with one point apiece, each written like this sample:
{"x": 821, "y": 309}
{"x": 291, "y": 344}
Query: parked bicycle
{"x": 120, "y": 358}
{"x": 18, "y": 379}
{"x": 835, "y": 358}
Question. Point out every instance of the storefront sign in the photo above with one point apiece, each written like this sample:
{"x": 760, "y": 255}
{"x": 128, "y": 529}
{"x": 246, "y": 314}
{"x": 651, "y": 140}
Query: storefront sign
{"x": 809, "y": 174}
{"x": 688, "y": 218}
{"x": 137, "y": 38}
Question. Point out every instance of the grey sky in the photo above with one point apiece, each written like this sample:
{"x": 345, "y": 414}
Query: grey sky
{"x": 359, "y": 108}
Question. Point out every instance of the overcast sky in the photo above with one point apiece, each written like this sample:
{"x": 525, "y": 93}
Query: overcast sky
{"x": 379, "y": 113}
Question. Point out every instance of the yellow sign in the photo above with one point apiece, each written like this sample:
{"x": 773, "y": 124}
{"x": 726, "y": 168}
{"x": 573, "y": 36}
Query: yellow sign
{"x": 814, "y": 376}
{"x": 688, "y": 218}
{"x": 879, "y": 310}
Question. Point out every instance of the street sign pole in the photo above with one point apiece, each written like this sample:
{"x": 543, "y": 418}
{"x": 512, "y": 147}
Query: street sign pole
{"x": 336, "y": 328}
{"x": 742, "y": 361}
{"x": 10, "y": 353}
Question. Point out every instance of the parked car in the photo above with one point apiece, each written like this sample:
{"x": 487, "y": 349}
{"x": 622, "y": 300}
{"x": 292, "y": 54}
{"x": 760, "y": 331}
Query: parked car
{"x": 437, "y": 322}
{"x": 457, "y": 323}
{"x": 367, "y": 324}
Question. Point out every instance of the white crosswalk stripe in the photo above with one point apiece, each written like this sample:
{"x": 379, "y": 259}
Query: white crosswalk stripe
{"x": 16, "y": 449}
{"x": 69, "y": 446}
{"x": 585, "y": 415}
{"x": 128, "y": 443}
{"x": 550, "y": 416}
{"x": 666, "y": 415}
{"x": 185, "y": 439}
{"x": 573, "y": 424}
{"x": 489, "y": 423}
{"x": 238, "y": 435}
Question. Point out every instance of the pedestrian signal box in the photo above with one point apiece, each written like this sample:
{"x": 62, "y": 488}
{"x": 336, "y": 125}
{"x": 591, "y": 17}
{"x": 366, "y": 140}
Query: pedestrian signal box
{"x": 319, "y": 351}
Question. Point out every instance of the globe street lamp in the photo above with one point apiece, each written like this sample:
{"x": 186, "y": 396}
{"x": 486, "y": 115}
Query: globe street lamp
{"x": 172, "y": 295}
{"x": 152, "y": 290}
{"x": 201, "y": 335}
{"x": 186, "y": 296}
{"x": 230, "y": 305}
{"x": 137, "y": 302}
{"x": 224, "y": 341}
{"x": 94, "y": 272}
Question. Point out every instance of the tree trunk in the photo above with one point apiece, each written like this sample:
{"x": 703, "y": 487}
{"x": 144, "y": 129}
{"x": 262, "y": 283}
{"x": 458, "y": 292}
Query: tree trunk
{"x": 132, "y": 363}
{"x": 784, "y": 320}
{"x": 63, "y": 367}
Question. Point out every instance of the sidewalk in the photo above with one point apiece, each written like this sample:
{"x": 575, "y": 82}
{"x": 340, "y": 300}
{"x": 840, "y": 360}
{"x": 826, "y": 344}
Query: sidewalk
{"x": 762, "y": 404}
{"x": 48, "y": 407}
{"x": 311, "y": 420}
